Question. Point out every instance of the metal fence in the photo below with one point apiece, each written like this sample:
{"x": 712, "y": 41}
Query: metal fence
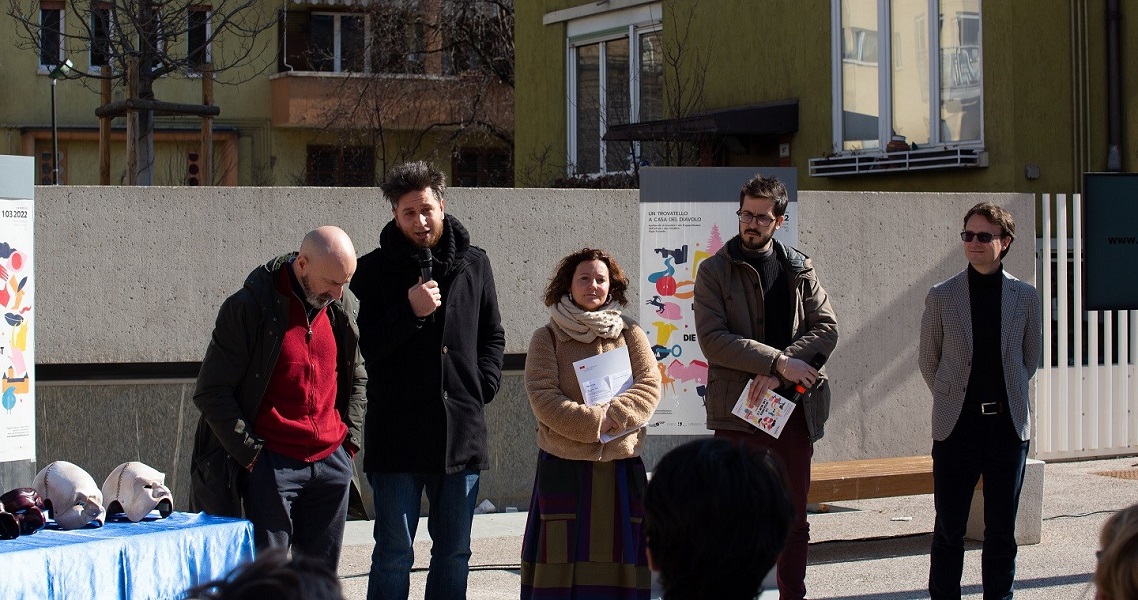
{"x": 1086, "y": 392}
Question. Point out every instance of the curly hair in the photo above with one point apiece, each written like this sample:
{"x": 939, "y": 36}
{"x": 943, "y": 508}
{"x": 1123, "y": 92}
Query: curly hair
{"x": 562, "y": 280}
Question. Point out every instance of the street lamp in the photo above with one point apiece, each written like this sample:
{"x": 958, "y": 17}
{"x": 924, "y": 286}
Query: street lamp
{"x": 64, "y": 69}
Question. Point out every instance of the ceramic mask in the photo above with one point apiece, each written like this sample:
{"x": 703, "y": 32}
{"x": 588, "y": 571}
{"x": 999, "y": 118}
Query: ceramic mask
{"x": 70, "y": 495}
{"x": 136, "y": 489}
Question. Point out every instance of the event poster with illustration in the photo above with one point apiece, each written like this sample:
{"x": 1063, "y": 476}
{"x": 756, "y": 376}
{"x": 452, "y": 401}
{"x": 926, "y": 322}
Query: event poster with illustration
{"x": 17, "y": 299}
{"x": 686, "y": 216}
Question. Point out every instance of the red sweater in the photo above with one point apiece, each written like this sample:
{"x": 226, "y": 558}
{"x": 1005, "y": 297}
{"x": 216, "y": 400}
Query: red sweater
{"x": 298, "y": 416}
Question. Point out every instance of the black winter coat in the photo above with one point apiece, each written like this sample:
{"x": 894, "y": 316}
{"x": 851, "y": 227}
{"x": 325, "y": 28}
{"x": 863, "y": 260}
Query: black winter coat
{"x": 234, "y": 375}
{"x": 428, "y": 379}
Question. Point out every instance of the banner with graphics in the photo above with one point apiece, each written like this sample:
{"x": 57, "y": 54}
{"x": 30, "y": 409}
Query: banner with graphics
{"x": 686, "y": 215}
{"x": 17, "y": 299}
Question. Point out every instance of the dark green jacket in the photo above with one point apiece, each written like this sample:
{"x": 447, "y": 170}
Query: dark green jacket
{"x": 235, "y": 372}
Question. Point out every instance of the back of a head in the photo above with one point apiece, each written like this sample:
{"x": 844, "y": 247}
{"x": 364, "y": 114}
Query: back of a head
{"x": 717, "y": 515}
{"x": 1116, "y": 575}
{"x": 274, "y": 575}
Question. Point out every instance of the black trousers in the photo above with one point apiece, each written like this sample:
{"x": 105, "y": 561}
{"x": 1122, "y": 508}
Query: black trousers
{"x": 299, "y": 504}
{"x": 985, "y": 445}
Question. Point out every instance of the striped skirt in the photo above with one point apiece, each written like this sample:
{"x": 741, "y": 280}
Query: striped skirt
{"x": 584, "y": 538}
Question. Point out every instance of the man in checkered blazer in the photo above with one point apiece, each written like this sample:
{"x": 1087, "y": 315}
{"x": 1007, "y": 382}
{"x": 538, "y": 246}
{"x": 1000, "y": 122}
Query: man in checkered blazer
{"x": 980, "y": 347}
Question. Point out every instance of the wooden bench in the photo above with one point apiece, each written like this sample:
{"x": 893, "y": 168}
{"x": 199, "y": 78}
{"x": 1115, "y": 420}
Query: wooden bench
{"x": 913, "y": 475}
{"x": 870, "y": 478}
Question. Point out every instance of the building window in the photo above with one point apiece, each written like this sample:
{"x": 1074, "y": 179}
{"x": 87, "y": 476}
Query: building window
{"x": 615, "y": 78}
{"x": 198, "y": 31}
{"x": 51, "y": 34}
{"x": 326, "y": 42}
{"x": 340, "y": 166}
{"x": 884, "y": 96}
{"x": 100, "y": 36}
{"x": 337, "y": 41}
{"x": 399, "y": 38}
{"x": 482, "y": 167}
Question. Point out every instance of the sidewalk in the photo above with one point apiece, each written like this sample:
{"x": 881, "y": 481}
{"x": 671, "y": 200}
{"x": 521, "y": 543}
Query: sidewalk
{"x": 857, "y": 551}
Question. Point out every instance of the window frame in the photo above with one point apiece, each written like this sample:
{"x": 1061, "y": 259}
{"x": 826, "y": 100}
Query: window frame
{"x": 337, "y": 40}
{"x": 628, "y": 24}
{"x": 195, "y": 70}
{"x": 885, "y": 62}
{"x": 96, "y": 8}
{"x": 59, "y": 7}
{"x": 343, "y": 175}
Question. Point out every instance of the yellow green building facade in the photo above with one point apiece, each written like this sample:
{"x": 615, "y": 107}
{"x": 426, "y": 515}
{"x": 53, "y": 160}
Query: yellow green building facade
{"x": 284, "y": 103}
{"x": 1012, "y": 96}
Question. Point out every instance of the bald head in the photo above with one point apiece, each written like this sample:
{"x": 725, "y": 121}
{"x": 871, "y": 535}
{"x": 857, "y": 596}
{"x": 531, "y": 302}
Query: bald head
{"x": 325, "y": 264}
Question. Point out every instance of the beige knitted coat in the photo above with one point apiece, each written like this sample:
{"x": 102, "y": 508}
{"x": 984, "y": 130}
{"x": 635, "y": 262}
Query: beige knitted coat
{"x": 566, "y": 426}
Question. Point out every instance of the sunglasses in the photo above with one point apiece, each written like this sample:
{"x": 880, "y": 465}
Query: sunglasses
{"x": 983, "y": 236}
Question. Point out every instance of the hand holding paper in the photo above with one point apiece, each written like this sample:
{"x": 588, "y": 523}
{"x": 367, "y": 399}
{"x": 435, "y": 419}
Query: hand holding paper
{"x": 769, "y": 413}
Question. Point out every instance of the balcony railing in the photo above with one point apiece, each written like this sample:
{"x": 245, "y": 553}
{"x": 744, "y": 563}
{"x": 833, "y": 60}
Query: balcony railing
{"x": 866, "y": 162}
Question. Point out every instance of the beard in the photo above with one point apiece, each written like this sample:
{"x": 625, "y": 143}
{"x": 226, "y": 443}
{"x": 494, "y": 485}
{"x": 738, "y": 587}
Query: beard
{"x": 430, "y": 241}
{"x": 313, "y": 299}
{"x": 753, "y": 239}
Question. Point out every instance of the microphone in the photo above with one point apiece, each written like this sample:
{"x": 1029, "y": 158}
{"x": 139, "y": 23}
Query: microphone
{"x": 425, "y": 264}
{"x": 425, "y": 271}
{"x": 816, "y": 362}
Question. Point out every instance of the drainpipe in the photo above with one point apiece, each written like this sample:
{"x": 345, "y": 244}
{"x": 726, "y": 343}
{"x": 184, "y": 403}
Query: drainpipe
{"x": 1114, "y": 88}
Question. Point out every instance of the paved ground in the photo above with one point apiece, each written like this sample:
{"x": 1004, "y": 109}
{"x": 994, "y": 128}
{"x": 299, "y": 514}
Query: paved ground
{"x": 858, "y": 552}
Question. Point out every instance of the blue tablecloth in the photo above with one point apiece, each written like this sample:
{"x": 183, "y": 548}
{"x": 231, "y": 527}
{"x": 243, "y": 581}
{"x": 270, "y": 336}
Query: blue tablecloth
{"x": 154, "y": 558}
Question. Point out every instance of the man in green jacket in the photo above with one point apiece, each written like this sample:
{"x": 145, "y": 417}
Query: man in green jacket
{"x": 281, "y": 392}
{"x": 762, "y": 315}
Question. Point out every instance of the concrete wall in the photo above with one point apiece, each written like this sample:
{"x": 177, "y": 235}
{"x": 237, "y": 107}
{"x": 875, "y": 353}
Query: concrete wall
{"x": 135, "y": 275}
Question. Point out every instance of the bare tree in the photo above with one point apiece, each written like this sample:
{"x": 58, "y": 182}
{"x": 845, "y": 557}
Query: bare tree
{"x": 165, "y": 38}
{"x": 431, "y": 76}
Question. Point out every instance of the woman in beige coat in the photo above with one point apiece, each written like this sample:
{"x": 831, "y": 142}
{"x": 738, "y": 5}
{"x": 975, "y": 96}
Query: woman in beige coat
{"x": 584, "y": 535}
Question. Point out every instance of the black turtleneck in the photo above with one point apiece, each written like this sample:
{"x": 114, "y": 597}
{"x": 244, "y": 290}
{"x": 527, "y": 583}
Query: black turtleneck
{"x": 986, "y": 381}
{"x": 777, "y": 312}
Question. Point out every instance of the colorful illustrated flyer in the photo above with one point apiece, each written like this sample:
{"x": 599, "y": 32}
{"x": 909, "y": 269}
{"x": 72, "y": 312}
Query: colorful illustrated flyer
{"x": 769, "y": 414}
{"x": 687, "y": 214}
{"x": 17, "y": 299}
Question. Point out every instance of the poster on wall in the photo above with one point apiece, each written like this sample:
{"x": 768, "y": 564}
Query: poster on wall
{"x": 17, "y": 299}
{"x": 686, "y": 215}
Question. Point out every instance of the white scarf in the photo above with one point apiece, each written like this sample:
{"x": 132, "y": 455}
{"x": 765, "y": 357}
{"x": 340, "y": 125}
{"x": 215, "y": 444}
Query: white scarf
{"x": 585, "y": 326}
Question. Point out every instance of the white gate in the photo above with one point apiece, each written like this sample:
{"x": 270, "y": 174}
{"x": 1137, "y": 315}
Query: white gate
{"x": 1086, "y": 392}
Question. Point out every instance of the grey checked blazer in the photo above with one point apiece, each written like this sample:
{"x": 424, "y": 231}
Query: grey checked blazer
{"x": 946, "y": 348}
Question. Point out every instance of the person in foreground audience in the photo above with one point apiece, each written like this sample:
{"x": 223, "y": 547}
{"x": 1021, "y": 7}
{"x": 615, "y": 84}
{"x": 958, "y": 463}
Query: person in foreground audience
{"x": 273, "y": 575}
{"x": 1116, "y": 576}
{"x": 717, "y": 515}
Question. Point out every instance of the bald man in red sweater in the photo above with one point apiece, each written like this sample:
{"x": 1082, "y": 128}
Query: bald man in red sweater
{"x": 281, "y": 392}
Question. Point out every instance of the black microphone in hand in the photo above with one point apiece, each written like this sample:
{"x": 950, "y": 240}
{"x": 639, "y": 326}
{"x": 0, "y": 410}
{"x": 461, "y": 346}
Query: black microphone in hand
{"x": 425, "y": 271}
{"x": 816, "y": 362}
{"x": 425, "y": 263}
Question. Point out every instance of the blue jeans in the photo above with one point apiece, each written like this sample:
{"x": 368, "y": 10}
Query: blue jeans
{"x": 397, "y": 498}
{"x": 985, "y": 445}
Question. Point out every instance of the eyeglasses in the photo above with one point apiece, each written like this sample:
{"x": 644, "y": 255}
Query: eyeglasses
{"x": 983, "y": 236}
{"x": 748, "y": 216}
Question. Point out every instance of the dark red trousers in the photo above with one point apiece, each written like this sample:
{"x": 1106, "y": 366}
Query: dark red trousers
{"x": 794, "y": 449}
